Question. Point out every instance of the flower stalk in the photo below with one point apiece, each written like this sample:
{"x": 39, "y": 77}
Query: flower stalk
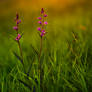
{"x": 42, "y": 31}
{"x": 17, "y": 39}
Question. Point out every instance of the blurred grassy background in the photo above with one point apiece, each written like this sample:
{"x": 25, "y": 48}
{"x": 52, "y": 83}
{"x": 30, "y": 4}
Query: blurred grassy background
{"x": 64, "y": 16}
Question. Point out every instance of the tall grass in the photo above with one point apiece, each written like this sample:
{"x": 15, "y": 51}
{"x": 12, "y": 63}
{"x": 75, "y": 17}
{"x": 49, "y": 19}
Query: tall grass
{"x": 65, "y": 60}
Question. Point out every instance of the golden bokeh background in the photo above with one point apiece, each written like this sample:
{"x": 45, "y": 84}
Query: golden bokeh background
{"x": 34, "y": 5}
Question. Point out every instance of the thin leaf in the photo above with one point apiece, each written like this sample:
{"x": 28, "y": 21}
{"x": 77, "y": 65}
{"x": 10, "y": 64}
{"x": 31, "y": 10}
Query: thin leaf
{"x": 30, "y": 68}
{"x": 18, "y": 57}
{"x": 35, "y": 50}
{"x": 25, "y": 84}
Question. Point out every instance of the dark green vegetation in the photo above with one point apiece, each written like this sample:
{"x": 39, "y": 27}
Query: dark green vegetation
{"x": 66, "y": 57}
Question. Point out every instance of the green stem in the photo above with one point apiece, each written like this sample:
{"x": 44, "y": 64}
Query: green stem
{"x": 20, "y": 50}
{"x": 39, "y": 65}
{"x": 40, "y": 49}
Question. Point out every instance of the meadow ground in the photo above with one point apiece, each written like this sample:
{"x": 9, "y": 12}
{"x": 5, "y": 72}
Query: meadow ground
{"x": 66, "y": 58}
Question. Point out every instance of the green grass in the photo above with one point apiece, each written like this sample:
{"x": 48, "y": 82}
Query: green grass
{"x": 65, "y": 60}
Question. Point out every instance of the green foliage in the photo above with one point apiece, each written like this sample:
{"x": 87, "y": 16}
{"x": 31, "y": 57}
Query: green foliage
{"x": 65, "y": 61}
